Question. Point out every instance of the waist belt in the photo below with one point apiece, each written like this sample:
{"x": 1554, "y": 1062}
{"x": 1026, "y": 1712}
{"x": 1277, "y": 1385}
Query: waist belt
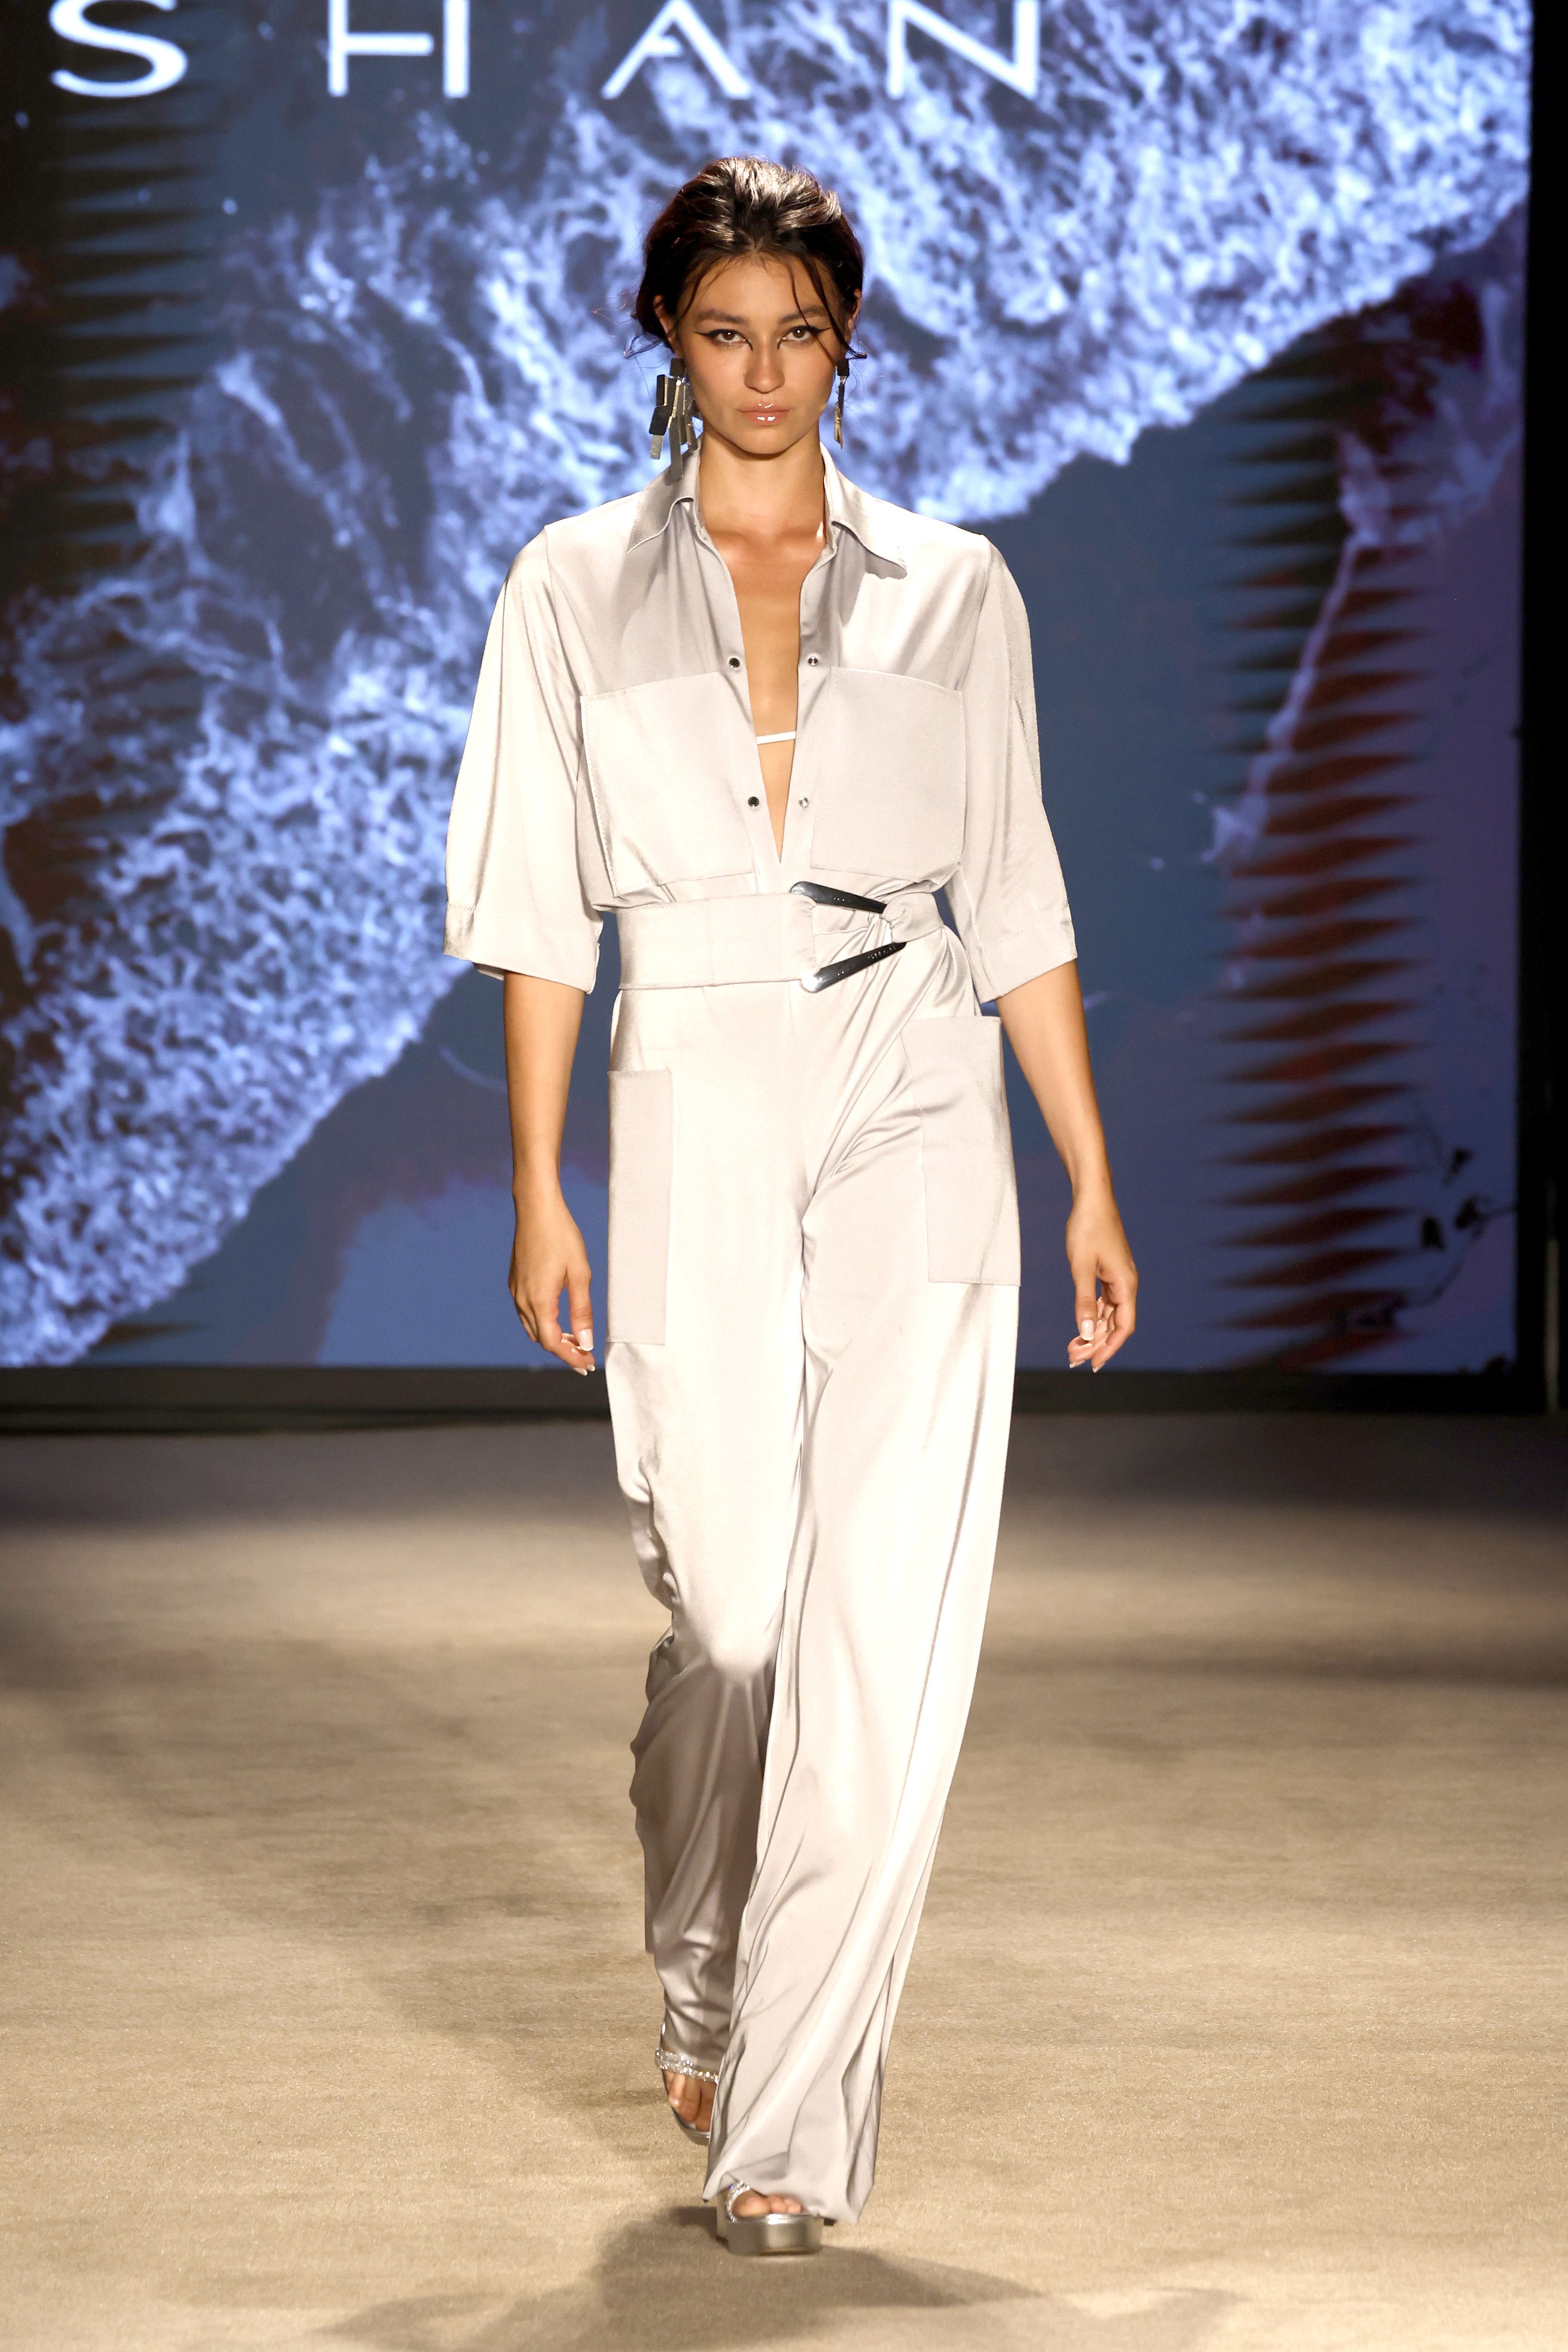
{"x": 716, "y": 942}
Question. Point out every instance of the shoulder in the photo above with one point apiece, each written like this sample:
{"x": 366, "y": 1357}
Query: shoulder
{"x": 576, "y": 544}
{"x": 952, "y": 546}
{"x": 941, "y": 542}
{"x": 945, "y": 553}
{"x": 931, "y": 549}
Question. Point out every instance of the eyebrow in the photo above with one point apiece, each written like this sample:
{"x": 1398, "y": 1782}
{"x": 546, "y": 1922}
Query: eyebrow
{"x": 734, "y": 318}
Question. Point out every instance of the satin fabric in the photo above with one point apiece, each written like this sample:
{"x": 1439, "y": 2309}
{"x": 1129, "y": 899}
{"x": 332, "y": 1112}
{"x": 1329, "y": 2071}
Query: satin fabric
{"x": 813, "y": 1265}
{"x": 812, "y": 1442}
{"x": 611, "y": 759}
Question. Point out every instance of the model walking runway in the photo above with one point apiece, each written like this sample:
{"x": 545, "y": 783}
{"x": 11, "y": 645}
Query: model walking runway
{"x": 763, "y": 718}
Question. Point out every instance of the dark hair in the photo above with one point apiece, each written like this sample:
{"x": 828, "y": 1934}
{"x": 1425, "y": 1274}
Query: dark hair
{"x": 742, "y": 205}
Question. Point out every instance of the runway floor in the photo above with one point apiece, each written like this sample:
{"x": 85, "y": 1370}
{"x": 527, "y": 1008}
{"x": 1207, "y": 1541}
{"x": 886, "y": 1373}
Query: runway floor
{"x": 1237, "y": 2021}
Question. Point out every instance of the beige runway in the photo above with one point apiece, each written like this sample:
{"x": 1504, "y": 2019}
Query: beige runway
{"x": 1237, "y": 2021}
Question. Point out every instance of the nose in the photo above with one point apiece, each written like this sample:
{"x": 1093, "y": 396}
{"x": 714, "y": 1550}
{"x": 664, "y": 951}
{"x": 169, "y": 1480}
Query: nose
{"x": 765, "y": 373}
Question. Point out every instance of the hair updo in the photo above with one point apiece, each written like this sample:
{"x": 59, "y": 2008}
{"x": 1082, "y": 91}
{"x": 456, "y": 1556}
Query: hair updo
{"x": 742, "y": 204}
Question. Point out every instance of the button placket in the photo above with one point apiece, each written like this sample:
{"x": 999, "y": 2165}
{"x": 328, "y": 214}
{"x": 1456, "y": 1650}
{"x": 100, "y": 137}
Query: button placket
{"x": 812, "y": 680}
{"x": 725, "y": 612}
{"x": 765, "y": 850}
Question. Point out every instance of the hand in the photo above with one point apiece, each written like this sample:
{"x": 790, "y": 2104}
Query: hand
{"x": 548, "y": 1257}
{"x": 1098, "y": 1255}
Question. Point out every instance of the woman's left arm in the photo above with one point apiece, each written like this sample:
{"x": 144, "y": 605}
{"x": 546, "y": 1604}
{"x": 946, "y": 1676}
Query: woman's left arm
{"x": 1045, "y": 1025}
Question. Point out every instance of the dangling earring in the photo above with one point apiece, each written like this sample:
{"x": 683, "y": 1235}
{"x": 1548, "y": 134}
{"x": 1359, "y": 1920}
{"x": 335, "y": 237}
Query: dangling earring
{"x": 838, "y": 404}
{"x": 672, "y": 413}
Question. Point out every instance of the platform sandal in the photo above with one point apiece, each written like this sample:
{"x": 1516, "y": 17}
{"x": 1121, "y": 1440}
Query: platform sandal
{"x": 765, "y": 2233}
{"x": 671, "y": 2062}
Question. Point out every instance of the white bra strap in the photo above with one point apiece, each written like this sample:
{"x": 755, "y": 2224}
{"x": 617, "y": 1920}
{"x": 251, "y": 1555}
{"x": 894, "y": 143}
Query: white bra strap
{"x": 788, "y": 738}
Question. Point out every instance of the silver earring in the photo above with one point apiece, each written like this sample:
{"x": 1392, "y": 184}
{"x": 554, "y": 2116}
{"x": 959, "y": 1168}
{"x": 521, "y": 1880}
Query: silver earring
{"x": 672, "y": 413}
{"x": 838, "y": 404}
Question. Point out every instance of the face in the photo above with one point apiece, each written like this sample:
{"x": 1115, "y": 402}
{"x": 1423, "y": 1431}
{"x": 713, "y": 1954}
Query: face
{"x": 759, "y": 349}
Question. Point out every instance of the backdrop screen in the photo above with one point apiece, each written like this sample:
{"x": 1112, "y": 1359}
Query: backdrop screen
{"x": 1207, "y": 311}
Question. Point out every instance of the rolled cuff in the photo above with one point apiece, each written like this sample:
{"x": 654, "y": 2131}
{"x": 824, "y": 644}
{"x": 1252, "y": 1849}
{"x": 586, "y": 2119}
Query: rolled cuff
{"x": 1006, "y": 963}
{"x": 499, "y": 944}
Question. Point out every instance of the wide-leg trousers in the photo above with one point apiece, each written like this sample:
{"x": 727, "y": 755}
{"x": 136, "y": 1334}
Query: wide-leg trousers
{"x": 812, "y": 1319}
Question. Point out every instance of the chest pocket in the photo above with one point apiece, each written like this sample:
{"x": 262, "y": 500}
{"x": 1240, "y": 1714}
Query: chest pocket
{"x": 890, "y": 798}
{"x": 662, "y": 768}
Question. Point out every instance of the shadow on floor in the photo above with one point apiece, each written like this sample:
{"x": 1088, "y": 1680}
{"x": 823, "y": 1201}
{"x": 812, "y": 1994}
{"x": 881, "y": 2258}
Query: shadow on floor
{"x": 664, "y": 2286}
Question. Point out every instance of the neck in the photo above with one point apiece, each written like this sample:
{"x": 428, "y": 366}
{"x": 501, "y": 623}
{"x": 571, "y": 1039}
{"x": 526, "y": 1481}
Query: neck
{"x": 762, "y": 498}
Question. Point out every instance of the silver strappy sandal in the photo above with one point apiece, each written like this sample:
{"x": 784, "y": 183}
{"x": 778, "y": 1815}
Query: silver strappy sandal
{"x": 765, "y": 2233}
{"x": 671, "y": 2062}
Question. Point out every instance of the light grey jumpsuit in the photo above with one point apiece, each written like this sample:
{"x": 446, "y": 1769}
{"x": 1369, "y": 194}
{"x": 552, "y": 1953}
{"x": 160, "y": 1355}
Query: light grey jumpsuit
{"x": 814, "y": 1242}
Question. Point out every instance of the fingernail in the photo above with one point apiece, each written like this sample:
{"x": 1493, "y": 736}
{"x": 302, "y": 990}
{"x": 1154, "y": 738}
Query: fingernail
{"x": 586, "y": 1341}
{"x": 580, "y": 1370}
{"x": 1086, "y": 1329}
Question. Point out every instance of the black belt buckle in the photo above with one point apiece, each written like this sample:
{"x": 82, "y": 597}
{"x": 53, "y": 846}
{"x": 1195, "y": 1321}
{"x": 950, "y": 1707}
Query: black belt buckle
{"x": 823, "y": 894}
{"x": 813, "y": 980}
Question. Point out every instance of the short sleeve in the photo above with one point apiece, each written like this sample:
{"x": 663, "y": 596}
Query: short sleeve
{"x": 1007, "y": 895}
{"x": 515, "y": 900}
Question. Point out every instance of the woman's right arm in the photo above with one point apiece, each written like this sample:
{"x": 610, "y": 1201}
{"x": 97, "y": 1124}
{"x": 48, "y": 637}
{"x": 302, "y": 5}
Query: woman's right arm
{"x": 541, "y": 1018}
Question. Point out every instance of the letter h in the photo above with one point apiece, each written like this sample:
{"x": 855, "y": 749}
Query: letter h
{"x": 342, "y": 45}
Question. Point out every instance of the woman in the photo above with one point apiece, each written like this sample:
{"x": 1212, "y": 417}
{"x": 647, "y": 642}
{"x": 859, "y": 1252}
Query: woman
{"x": 764, "y": 718}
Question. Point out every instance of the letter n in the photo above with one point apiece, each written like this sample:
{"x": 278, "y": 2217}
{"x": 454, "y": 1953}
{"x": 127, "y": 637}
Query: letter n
{"x": 1021, "y": 71}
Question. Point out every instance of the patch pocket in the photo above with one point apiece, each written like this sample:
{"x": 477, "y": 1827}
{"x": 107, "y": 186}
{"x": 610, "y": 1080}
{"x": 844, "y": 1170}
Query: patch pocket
{"x": 668, "y": 767}
{"x": 642, "y": 1161}
{"x": 891, "y": 795}
{"x": 966, "y": 1149}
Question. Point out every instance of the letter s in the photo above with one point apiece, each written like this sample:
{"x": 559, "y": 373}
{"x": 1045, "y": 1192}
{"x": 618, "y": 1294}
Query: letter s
{"x": 165, "y": 64}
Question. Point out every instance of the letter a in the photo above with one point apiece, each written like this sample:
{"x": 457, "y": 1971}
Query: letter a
{"x": 658, "y": 41}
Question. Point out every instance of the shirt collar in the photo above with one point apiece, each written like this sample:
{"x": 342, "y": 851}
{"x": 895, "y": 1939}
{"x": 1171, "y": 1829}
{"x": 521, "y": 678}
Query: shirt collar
{"x": 848, "y": 509}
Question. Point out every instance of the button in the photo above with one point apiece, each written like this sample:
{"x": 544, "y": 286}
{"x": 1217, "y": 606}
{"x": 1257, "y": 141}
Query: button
{"x": 754, "y": 802}
{"x": 802, "y": 803}
{"x": 811, "y": 661}
{"x": 734, "y": 661}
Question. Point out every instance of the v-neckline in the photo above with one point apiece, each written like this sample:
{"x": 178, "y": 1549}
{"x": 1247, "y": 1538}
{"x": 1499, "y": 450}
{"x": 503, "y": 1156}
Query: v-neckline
{"x": 780, "y": 848}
